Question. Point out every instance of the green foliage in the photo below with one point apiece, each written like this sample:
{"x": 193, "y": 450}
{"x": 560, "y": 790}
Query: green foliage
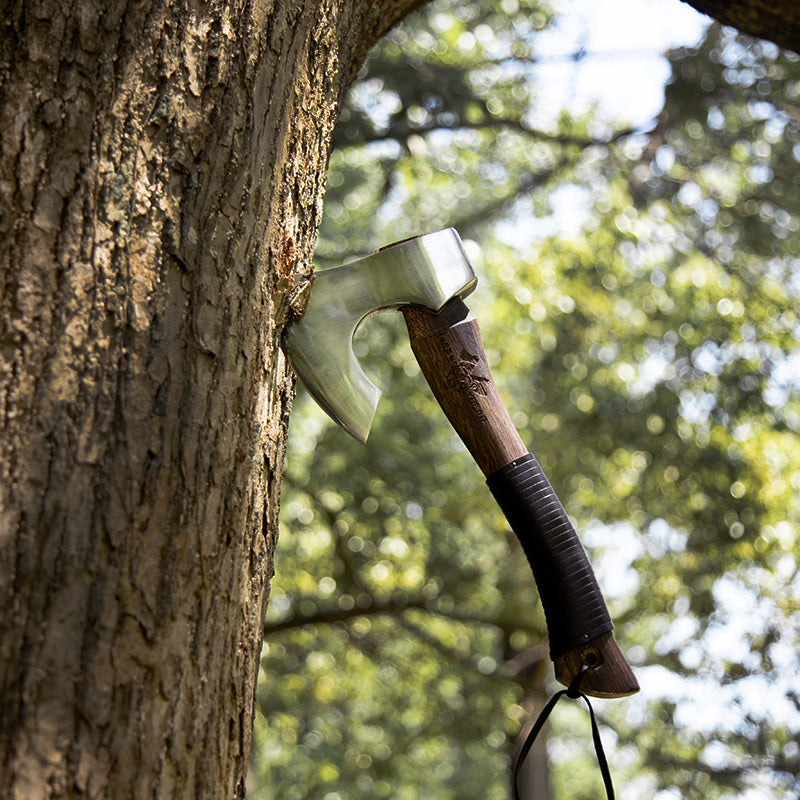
{"x": 438, "y": 126}
{"x": 650, "y": 360}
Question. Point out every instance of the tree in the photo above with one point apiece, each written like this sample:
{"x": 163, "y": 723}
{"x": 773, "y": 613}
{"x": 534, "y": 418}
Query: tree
{"x": 161, "y": 166}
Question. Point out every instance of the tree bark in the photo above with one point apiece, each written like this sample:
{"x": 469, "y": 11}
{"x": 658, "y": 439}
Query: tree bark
{"x": 161, "y": 169}
{"x": 776, "y": 20}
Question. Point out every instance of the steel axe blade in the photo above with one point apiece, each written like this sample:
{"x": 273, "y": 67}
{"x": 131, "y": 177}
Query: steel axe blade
{"x": 426, "y": 271}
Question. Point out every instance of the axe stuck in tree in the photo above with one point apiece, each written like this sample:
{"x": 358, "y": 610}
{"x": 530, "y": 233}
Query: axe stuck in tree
{"x": 426, "y": 277}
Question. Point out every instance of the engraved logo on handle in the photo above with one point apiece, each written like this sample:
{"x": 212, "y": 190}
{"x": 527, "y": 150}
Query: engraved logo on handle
{"x": 469, "y": 364}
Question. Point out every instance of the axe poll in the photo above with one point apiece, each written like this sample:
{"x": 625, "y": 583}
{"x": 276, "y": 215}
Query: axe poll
{"x": 427, "y": 277}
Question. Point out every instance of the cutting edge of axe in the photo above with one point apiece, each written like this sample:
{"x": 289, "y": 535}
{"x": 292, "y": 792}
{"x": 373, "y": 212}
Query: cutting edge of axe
{"x": 427, "y": 277}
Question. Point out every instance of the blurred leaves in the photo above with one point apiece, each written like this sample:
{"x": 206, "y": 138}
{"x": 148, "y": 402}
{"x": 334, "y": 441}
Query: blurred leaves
{"x": 639, "y": 304}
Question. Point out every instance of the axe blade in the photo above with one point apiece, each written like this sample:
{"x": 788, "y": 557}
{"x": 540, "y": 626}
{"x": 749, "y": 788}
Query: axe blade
{"x": 425, "y": 271}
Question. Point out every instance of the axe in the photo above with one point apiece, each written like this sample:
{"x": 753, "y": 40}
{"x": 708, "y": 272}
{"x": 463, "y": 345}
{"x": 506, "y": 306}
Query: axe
{"x": 427, "y": 277}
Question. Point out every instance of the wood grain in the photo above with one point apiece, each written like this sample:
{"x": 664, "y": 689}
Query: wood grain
{"x": 450, "y": 352}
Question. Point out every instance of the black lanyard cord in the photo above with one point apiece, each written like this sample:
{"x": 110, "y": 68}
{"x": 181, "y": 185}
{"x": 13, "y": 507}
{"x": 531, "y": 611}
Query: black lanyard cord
{"x": 574, "y": 693}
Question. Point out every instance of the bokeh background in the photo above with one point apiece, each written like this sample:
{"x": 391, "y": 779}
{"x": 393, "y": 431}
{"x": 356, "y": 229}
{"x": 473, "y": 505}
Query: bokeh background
{"x": 633, "y": 216}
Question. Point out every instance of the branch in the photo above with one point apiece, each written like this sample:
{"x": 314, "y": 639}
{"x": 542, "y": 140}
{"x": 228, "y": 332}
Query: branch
{"x": 330, "y": 616}
{"x": 526, "y": 183}
{"x": 392, "y": 608}
{"x": 563, "y": 139}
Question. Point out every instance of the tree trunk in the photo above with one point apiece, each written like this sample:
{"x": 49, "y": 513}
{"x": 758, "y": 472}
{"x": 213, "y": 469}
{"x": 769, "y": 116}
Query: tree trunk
{"x": 776, "y": 20}
{"x": 530, "y": 669}
{"x": 161, "y": 169}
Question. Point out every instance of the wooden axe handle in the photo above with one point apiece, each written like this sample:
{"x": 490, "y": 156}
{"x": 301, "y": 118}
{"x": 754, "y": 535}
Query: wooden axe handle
{"x": 450, "y": 352}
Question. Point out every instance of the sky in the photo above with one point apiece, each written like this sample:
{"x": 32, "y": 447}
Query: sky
{"x": 622, "y": 76}
{"x": 624, "y": 70}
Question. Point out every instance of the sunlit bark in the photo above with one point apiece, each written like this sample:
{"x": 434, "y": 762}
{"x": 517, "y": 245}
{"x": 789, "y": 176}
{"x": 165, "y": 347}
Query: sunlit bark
{"x": 161, "y": 168}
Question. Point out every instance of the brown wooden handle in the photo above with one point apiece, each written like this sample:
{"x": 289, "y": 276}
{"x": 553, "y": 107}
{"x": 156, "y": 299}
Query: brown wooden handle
{"x": 449, "y": 350}
{"x": 450, "y": 353}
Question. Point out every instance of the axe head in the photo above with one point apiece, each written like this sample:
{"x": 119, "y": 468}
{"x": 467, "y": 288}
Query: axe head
{"x": 426, "y": 271}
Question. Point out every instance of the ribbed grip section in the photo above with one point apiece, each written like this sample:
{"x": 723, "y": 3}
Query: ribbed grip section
{"x": 574, "y": 608}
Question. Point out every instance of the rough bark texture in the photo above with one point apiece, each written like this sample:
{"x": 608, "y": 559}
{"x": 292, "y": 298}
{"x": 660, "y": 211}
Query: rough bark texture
{"x": 161, "y": 167}
{"x": 776, "y": 20}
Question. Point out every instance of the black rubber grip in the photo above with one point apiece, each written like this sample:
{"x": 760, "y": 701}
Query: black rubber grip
{"x": 573, "y": 605}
